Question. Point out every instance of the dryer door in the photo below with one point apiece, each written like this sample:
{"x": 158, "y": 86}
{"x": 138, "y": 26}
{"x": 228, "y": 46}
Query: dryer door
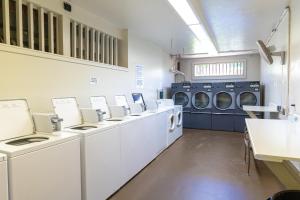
{"x": 181, "y": 98}
{"x": 247, "y": 99}
{"x": 201, "y": 100}
{"x": 223, "y": 100}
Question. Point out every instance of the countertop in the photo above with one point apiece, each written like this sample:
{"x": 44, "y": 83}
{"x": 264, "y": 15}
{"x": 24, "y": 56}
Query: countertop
{"x": 274, "y": 140}
{"x": 260, "y": 108}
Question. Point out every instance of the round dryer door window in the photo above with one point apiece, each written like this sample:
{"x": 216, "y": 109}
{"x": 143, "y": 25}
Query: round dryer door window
{"x": 223, "y": 100}
{"x": 201, "y": 100}
{"x": 181, "y": 99}
{"x": 247, "y": 99}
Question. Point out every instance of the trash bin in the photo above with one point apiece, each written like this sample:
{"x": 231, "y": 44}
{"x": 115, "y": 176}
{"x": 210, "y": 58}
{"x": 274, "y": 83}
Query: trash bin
{"x": 286, "y": 195}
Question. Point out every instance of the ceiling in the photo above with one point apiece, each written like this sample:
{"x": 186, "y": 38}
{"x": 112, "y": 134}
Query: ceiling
{"x": 234, "y": 25}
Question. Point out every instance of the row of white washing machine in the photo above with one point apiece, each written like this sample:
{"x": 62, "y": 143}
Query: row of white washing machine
{"x": 64, "y": 165}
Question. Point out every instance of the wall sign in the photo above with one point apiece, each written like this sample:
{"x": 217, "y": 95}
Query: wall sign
{"x": 139, "y": 76}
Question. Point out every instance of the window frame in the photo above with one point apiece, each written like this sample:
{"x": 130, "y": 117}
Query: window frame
{"x": 221, "y": 77}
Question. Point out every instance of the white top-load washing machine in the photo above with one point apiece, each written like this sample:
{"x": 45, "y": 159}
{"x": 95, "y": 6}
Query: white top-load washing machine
{"x": 3, "y": 178}
{"x": 40, "y": 166}
{"x": 100, "y": 150}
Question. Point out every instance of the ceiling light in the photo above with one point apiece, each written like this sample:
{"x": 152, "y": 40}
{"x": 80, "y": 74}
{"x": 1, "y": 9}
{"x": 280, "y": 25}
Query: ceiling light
{"x": 185, "y": 11}
{"x": 183, "y": 8}
{"x": 204, "y": 38}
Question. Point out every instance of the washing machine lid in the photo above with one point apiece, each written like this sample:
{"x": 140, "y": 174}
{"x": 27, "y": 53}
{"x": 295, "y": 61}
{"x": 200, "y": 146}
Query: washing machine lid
{"x": 99, "y": 102}
{"x": 11, "y": 150}
{"x": 181, "y": 98}
{"x": 2, "y": 157}
{"x": 68, "y": 110}
{"x": 16, "y": 120}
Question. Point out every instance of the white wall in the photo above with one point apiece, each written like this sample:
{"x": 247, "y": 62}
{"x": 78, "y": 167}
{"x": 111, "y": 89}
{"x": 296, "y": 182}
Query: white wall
{"x": 295, "y": 55}
{"x": 40, "y": 76}
{"x": 275, "y": 76}
{"x": 253, "y": 67}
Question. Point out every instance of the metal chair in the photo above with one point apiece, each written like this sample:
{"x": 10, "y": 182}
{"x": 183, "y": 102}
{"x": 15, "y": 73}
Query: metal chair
{"x": 248, "y": 150}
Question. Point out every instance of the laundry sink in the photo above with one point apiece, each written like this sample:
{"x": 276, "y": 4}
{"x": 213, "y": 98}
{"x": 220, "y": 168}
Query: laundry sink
{"x": 114, "y": 120}
{"x": 82, "y": 128}
{"x": 28, "y": 140}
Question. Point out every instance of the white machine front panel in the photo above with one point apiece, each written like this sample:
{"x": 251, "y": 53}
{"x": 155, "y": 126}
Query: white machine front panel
{"x": 51, "y": 173}
{"x": 68, "y": 110}
{"x": 15, "y": 118}
{"x": 121, "y": 101}
{"x": 100, "y": 102}
{"x": 3, "y": 179}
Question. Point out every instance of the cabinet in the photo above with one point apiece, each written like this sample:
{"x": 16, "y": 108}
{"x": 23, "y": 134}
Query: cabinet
{"x": 103, "y": 168}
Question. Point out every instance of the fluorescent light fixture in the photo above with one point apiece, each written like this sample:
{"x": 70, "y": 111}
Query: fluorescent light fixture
{"x": 185, "y": 11}
{"x": 183, "y": 8}
{"x": 204, "y": 38}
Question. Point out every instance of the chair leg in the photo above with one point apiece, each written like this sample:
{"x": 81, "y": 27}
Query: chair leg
{"x": 249, "y": 160}
{"x": 245, "y": 153}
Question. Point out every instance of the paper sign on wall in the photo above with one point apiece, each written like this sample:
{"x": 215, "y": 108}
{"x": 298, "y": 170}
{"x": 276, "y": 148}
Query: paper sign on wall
{"x": 139, "y": 77}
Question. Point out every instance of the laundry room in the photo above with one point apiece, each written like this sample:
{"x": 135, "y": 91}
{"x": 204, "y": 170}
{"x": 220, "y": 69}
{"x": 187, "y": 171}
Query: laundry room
{"x": 143, "y": 100}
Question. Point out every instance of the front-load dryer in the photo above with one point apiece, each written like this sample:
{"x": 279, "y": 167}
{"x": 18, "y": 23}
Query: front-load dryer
{"x": 181, "y": 94}
{"x": 3, "y": 178}
{"x": 202, "y": 100}
{"x": 223, "y": 109}
{"x": 40, "y": 166}
{"x": 247, "y": 94}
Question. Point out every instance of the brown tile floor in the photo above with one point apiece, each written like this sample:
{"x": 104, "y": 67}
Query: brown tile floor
{"x": 202, "y": 165}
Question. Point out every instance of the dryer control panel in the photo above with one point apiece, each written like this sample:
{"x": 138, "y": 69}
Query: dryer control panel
{"x": 230, "y": 86}
{"x": 255, "y": 86}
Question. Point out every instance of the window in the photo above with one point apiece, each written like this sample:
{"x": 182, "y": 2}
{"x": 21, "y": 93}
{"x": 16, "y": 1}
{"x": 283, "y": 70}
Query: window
{"x": 36, "y": 34}
{"x": 55, "y": 33}
{"x": 235, "y": 69}
{"x": 13, "y": 22}
{"x": 27, "y": 25}
{"x": 46, "y": 32}
{"x": 96, "y": 46}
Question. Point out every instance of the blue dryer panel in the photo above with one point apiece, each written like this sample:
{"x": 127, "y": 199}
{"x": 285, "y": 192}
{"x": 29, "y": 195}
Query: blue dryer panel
{"x": 181, "y": 94}
{"x": 247, "y": 93}
{"x": 223, "y": 122}
{"x": 201, "y": 120}
{"x": 186, "y": 120}
{"x": 201, "y": 105}
{"x": 240, "y": 123}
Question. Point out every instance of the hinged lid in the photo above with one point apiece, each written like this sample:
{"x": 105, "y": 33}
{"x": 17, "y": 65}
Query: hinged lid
{"x": 99, "y": 102}
{"x": 15, "y": 118}
{"x": 68, "y": 110}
